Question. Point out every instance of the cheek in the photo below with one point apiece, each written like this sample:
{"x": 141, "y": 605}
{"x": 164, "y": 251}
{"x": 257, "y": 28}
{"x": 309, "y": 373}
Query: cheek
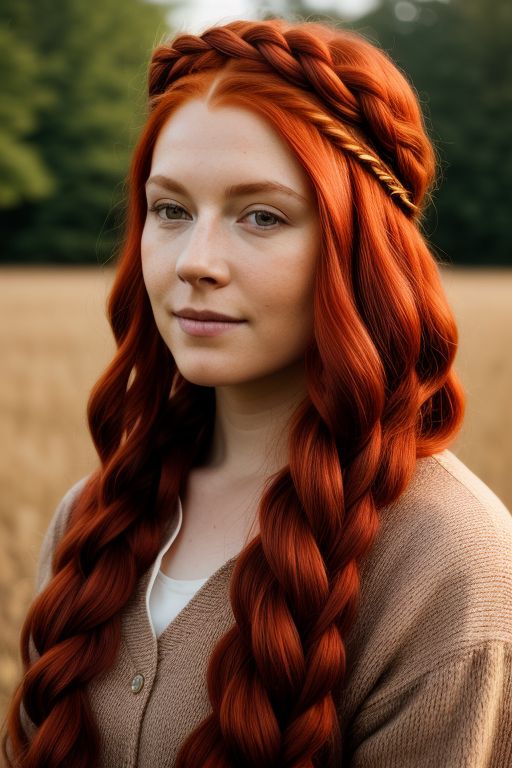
{"x": 302, "y": 290}
{"x": 285, "y": 299}
{"x": 284, "y": 279}
{"x": 297, "y": 284}
{"x": 154, "y": 269}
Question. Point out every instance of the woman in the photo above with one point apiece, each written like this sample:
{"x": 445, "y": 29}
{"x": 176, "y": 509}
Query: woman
{"x": 277, "y": 562}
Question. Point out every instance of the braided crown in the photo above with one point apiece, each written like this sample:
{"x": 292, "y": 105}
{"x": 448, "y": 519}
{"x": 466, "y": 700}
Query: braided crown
{"x": 303, "y": 59}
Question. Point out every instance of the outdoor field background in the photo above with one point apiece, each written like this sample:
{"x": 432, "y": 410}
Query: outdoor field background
{"x": 55, "y": 341}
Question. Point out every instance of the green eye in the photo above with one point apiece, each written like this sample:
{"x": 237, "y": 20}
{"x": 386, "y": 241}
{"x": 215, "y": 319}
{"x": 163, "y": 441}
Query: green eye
{"x": 172, "y": 211}
{"x": 265, "y": 219}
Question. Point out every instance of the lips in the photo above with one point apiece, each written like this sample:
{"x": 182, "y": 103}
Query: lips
{"x": 207, "y": 324}
{"x": 205, "y": 315}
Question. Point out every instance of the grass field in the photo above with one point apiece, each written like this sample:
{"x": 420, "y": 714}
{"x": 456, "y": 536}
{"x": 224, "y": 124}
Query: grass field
{"x": 54, "y": 342}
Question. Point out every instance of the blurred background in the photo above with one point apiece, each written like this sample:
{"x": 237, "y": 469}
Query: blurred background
{"x": 72, "y": 100}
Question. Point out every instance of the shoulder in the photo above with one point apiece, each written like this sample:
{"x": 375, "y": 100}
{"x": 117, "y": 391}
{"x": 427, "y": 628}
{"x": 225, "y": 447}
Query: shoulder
{"x": 458, "y": 479}
{"x": 448, "y": 517}
{"x": 438, "y": 581}
{"x": 448, "y": 488}
{"x": 55, "y": 530}
{"x": 450, "y": 523}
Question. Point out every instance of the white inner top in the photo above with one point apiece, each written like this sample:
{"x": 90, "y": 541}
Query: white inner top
{"x": 165, "y": 596}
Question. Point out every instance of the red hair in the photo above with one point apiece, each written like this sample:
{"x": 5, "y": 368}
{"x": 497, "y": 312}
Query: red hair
{"x": 381, "y": 392}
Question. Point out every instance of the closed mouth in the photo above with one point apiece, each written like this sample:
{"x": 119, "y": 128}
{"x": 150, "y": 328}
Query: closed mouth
{"x": 206, "y": 316}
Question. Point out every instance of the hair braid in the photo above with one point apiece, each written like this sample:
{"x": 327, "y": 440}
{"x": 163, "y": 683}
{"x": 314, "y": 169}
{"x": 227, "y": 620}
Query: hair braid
{"x": 300, "y": 576}
{"x": 306, "y": 61}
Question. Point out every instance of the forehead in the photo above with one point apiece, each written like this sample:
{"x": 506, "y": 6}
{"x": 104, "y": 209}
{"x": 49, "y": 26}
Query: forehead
{"x": 224, "y": 139}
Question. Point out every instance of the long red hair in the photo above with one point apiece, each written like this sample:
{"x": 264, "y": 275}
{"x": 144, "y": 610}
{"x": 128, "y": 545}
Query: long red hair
{"x": 381, "y": 392}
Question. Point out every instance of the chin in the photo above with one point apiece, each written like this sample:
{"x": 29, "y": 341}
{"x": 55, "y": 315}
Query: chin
{"x": 204, "y": 381}
{"x": 212, "y": 368}
{"x": 206, "y": 378}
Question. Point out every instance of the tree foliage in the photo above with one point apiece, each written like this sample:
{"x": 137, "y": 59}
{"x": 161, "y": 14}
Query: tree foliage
{"x": 74, "y": 87}
{"x": 23, "y": 173}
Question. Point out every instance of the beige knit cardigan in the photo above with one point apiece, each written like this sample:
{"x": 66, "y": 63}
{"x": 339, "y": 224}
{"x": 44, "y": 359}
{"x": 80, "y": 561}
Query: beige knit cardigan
{"x": 429, "y": 659}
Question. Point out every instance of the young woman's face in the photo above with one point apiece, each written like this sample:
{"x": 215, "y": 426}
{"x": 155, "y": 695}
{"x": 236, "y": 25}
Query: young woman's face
{"x": 232, "y": 228}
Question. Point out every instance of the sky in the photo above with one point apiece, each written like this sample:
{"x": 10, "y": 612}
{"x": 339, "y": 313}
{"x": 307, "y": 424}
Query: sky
{"x": 195, "y": 15}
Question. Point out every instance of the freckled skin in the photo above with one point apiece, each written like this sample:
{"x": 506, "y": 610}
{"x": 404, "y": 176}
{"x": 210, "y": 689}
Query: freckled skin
{"x": 252, "y": 257}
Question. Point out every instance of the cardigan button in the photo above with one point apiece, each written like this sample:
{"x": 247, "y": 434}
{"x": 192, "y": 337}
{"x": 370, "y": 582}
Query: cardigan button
{"x": 137, "y": 683}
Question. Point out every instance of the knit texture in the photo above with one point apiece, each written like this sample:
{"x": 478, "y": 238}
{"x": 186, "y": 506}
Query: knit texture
{"x": 429, "y": 659}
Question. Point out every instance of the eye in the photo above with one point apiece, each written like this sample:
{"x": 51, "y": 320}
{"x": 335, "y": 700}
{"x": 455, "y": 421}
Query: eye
{"x": 265, "y": 219}
{"x": 169, "y": 211}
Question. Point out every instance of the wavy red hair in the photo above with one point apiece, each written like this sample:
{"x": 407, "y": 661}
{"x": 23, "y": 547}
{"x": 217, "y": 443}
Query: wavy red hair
{"x": 381, "y": 392}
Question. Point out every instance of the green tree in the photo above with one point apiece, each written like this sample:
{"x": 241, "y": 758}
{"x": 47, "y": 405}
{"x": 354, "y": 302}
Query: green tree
{"x": 83, "y": 110}
{"x": 23, "y": 173}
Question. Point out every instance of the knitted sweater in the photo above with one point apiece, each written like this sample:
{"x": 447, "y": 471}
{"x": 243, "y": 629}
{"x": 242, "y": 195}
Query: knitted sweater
{"x": 429, "y": 660}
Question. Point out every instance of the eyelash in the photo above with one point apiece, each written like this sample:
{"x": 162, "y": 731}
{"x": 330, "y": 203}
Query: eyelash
{"x": 162, "y": 206}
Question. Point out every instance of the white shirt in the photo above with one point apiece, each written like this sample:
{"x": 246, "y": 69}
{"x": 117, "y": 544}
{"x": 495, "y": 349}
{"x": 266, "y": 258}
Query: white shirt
{"x": 165, "y": 596}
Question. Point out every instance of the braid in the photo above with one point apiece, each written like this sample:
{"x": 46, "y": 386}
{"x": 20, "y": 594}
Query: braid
{"x": 342, "y": 138}
{"x": 307, "y": 62}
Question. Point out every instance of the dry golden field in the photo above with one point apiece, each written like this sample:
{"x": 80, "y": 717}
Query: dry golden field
{"x": 54, "y": 341}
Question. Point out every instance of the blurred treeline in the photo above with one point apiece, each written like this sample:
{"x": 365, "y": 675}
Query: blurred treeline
{"x": 71, "y": 103}
{"x": 74, "y": 77}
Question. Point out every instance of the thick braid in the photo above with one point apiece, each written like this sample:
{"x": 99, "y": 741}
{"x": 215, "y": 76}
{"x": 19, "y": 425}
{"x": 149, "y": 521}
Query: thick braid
{"x": 307, "y": 62}
{"x": 81, "y": 620}
{"x": 294, "y": 594}
{"x": 110, "y": 542}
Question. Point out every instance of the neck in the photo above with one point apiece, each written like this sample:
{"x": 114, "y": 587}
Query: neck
{"x": 250, "y": 438}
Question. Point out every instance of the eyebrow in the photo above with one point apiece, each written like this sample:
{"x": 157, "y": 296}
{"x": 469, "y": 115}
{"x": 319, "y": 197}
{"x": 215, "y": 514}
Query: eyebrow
{"x": 236, "y": 190}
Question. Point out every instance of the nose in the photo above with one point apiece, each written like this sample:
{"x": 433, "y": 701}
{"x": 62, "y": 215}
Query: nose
{"x": 203, "y": 256}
